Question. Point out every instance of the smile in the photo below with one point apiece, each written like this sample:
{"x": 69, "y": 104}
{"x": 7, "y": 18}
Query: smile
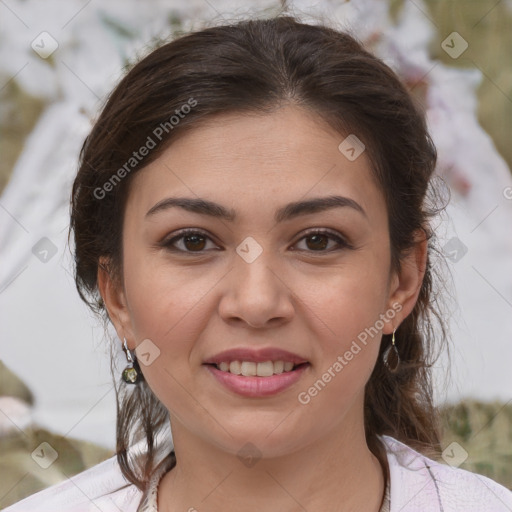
{"x": 249, "y": 379}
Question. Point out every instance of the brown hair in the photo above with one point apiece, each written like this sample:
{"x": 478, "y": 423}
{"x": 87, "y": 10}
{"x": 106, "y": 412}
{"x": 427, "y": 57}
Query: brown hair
{"x": 258, "y": 66}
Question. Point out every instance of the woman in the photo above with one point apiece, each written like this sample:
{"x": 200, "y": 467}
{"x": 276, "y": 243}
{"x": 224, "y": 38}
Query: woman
{"x": 250, "y": 214}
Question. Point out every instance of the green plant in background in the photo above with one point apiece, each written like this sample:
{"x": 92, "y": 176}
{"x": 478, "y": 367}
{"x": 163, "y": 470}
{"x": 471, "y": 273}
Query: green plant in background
{"x": 19, "y": 113}
{"x": 458, "y": 422}
{"x": 21, "y": 475}
{"x": 484, "y": 430}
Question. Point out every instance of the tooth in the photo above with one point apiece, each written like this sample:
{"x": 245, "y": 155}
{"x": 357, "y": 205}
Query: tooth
{"x": 235, "y": 367}
{"x": 248, "y": 368}
{"x": 279, "y": 367}
{"x": 265, "y": 369}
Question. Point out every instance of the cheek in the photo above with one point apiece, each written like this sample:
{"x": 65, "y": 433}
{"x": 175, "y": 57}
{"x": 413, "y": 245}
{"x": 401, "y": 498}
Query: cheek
{"x": 349, "y": 299}
{"x": 162, "y": 299}
{"x": 168, "y": 307}
{"x": 348, "y": 340}
{"x": 346, "y": 308}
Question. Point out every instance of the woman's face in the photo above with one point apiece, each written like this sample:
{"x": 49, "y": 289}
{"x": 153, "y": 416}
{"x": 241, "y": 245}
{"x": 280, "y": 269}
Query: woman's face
{"x": 259, "y": 280}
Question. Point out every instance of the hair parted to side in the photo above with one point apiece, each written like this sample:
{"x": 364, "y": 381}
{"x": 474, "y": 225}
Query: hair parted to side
{"x": 258, "y": 66}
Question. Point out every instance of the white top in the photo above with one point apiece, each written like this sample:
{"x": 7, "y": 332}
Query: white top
{"x": 417, "y": 483}
{"x": 149, "y": 500}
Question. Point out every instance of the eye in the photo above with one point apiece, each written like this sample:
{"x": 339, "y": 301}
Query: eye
{"x": 320, "y": 240}
{"x": 195, "y": 241}
{"x": 192, "y": 241}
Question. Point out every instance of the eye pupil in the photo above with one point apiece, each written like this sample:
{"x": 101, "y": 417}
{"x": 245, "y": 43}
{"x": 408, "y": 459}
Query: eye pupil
{"x": 315, "y": 239}
{"x": 195, "y": 239}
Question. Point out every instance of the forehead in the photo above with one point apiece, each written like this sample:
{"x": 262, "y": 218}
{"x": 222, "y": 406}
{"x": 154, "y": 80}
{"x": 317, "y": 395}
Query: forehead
{"x": 253, "y": 159}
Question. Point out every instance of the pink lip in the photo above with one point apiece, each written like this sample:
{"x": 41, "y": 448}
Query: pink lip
{"x": 256, "y": 356}
{"x": 257, "y": 386}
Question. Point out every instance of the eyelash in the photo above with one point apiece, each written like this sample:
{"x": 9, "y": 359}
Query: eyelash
{"x": 342, "y": 243}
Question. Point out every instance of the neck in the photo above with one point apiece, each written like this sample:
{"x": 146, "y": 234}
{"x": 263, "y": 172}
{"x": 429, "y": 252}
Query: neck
{"x": 337, "y": 471}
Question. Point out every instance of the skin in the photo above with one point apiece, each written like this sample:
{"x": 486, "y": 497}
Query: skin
{"x": 298, "y": 295}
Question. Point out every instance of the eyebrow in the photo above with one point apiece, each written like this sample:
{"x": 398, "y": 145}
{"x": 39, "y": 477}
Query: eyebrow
{"x": 285, "y": 213}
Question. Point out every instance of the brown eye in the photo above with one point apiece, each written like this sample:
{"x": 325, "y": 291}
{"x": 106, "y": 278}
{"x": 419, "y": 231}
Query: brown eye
{"x": 192, "y": 241}
{"x": 318, "y": 241}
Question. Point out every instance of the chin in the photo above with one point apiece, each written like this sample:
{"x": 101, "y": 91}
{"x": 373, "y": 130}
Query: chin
{"x": 261, "y": 441}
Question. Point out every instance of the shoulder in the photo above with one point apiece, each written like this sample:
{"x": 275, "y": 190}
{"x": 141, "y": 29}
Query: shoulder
{"x": 420, "y": 483}
{"x": 102, "y": 487}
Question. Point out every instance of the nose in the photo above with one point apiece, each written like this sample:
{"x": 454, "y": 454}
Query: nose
{"x": 256, "y": 294}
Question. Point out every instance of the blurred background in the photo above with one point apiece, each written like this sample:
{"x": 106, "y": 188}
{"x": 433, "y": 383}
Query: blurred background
{"x": 58, "y": 61}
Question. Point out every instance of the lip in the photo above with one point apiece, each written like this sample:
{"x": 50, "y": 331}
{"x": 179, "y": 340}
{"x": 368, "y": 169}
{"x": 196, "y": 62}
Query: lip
{"x": 257, "y": 387}
{"x": 256, "y": 356}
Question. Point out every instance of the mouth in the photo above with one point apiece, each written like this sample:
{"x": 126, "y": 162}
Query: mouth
{"x": 258, "y": 369}
{"x": 257, "y": 380}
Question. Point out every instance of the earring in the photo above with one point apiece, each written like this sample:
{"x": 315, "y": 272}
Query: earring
{"x": 130, "y": 373}
{"x": 390, "y": 357}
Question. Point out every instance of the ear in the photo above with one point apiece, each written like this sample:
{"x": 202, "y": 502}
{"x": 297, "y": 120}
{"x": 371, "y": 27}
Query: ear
{"x": 406, "y": 284}
{"x": 114, "y": 297}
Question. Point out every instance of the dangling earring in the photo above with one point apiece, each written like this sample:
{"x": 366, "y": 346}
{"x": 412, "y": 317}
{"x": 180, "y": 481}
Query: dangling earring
{"x": 130, "y": 373}
{"x": 390, "y": 357}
